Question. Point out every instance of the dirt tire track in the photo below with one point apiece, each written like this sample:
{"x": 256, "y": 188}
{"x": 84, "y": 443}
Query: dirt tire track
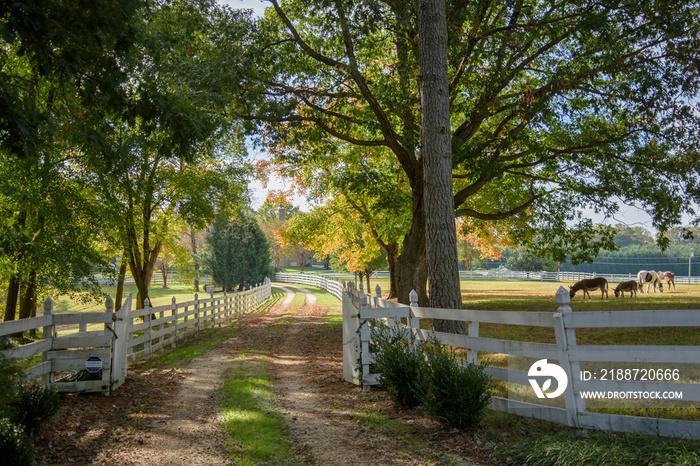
{"x": 315, "y": 426}
{"x": 191, "y": 435}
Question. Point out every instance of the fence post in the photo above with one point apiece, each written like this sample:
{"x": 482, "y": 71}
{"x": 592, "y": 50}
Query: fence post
{"x": 109, "y": 309}
{"x": 225, "y": 311}
{"x": 147, "y": 318}
{"x": 196, "y": 314}
{"x": 364, "y": 343}
{"x": 566, "y": 338}
{"x": 162, "y": 327}
{"x": 203, "y": 316}
{"x": 173, "y": 315}
{"x": 473, "y": 354}
{"x": 48, "y": 331}
{"x": 215, "y": 311}
{"x": 413, "y": 322}
{"x": 378, "y": 293}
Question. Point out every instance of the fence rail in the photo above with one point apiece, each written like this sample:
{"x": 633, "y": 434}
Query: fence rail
{"x": 107, "y": 341}
{"x": 359, "y": 310}
{"x": 333, "y": 287}
{"x": 505, "y": 274}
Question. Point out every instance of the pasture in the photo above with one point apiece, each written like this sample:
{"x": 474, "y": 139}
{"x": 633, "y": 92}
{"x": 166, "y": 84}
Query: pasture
{"x": 509, "y": 295}
{"x": 500, "y": 295}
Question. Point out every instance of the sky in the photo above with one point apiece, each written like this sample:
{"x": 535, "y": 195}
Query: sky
{"x": 258, "y": 193}
{"x": 258, "y": 6}
{"x": 629, "y": 215}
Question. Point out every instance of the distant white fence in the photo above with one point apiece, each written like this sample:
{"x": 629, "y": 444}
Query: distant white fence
{"x": 122, "y": 337}
{"x": 505, "y": 274}
{"x": 333, "y": 287}
{"x": 360, "y": 309}
{"x": 157, "y": 279}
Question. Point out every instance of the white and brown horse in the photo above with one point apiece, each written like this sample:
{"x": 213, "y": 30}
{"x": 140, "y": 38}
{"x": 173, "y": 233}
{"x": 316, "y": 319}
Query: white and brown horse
{"x": 650, "y": 278}
{"x": 669, "y": 278}
{"x": 590, "y": 284}
{"x": 630, "y": 286}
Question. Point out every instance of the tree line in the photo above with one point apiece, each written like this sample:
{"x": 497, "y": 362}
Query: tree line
{"x": 394, "y": 118}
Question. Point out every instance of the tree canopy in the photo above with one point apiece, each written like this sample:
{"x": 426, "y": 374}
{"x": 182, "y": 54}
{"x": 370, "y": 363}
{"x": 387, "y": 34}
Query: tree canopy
{"x": 554, "y": 108}
{"x": 111, "y": 135}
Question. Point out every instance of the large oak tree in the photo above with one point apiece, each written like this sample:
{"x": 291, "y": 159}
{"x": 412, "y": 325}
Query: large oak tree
{"x": 554, "y": 107}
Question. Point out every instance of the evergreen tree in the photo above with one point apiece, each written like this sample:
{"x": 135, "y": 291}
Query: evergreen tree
{"x": 239, "y": 254}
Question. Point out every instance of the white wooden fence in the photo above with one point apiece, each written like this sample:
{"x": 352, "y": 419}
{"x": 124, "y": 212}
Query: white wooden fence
{"x": 360, "y": 309}
{"x": 333, "y": 287}
{"x": 505, "y": 274}
{"x": 119, "y": 338}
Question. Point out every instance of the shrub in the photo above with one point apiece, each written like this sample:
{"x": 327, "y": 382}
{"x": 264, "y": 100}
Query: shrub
{"x": 15, "y": 446}
{"x": 9, "y": 380}
{"x": 22, "y": 409}
{"x": 398, "y": 364}
{"x": 450, "y": 389}
{"x": 35, "y": 404}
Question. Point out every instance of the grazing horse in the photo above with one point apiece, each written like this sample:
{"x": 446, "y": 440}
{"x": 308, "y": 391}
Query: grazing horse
{"x": 588, "y": 284}
{"x": 650, "y": 278}
{"x": 630, "y": 286}
{"x": 669, "y": 278}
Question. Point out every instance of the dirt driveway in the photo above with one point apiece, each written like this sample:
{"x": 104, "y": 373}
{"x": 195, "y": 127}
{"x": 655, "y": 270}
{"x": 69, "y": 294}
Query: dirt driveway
{"x": 169, "y": 415}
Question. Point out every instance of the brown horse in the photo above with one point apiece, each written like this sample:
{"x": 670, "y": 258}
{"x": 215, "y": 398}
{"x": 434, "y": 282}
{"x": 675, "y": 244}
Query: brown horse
{"x": 588, "y": 284}
{"x": 630, "y": 286}
{"x": 669, "y": 278}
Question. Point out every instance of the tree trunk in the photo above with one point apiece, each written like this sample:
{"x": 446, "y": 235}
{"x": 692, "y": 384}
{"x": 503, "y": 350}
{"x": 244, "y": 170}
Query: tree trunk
{"x": 120, "y": 283}
{"x": 142, "y": 272}
{"x": 301, "y": 257}
{"x": 193, "y": 244}
{"x": 12, "y": 298}
{"x": 436, "y": 147}
{"x": 392, "y": 253}
{"x": 25, "y": 306}
{"x": 164, "y": 273}
{"x": 411, "y": 266}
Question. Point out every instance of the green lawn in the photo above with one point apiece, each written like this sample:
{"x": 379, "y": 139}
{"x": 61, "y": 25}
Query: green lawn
{"x": 158, "y": 294}
{"x": 323, "y": 297}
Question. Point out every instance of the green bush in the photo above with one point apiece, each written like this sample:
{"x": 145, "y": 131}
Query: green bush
{"x": 22, "y": 409}
{"x": 398, "y": 364}
{"x": 35, "y": 404}
{"x": 450, "y": 389}
{"x": 9, "y": 381}
{"x": 15, "y": 446}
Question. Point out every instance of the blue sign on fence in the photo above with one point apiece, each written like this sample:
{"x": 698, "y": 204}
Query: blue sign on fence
{"x": 93, "y": 364}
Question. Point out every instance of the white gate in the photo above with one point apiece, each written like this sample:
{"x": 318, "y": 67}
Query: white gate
{"x": 120, "y": 344}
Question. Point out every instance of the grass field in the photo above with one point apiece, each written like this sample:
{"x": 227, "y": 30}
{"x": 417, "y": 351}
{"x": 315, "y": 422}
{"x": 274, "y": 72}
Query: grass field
{"x": 158, "y": 296}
